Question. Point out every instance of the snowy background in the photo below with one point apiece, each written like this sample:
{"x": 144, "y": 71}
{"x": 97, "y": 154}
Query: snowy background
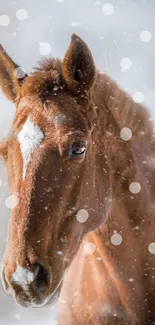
{"x": 121, "y": 35}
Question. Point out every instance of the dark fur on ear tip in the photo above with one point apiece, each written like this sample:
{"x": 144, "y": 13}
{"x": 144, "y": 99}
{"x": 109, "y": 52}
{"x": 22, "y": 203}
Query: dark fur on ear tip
{"x": 78, "y": 65}
{"x": 9, "y": 83}
{"x": 75, "y": 37}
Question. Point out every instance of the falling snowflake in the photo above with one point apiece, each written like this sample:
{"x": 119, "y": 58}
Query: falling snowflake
{"x": 75, "y": 23}
{"x": 12, "y": 201}
{"x": 134, "y": 187}
{"x": 82, "y": 216}
{"x": 0, "y": 182}
{"x": 63, "y": 301}
{"x": 44, "y": 48}
{"x": 4, "y": 20}
{"x": 19, "y": 72}
{"x": 145, "y": 36}
{"x": 108, "y": 8}
{"x": 17, "y": 316}
{"x": 151, "y": 248}
{"x": 126, "y": 134}
{"x": 125, "y": 64}
{"x": 97, "y": 3}
{"x": 59, "y": 252}
{"x": 116, "y": 239}
{"x": 89, "y": 248}
{"x": 138, "y": 97}
{"x": 21, "y": 14}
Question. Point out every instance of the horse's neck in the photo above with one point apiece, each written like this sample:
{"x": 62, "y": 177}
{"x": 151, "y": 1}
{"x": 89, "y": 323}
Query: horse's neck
{"x": 129, "y": 160}
{"x": 101, "y": 281}
{"x": 104, "y": 280}
{"x": 132, "y": 214}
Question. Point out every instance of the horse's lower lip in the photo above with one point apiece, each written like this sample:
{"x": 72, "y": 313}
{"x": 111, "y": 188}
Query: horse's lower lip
{"x": 52, "y": 299}
{"x": 42, "y": 303}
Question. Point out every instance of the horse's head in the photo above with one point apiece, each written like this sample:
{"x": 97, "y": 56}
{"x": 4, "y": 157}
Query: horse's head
{"x": 54, "y": 164}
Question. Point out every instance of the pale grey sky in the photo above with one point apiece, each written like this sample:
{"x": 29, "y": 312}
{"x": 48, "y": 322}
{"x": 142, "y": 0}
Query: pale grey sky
{"x": 121, "y": 37}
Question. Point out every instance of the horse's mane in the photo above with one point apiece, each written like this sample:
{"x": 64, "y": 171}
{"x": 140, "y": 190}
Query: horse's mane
{"x": 48, "y": 64}
{"x": 44, "y": 78}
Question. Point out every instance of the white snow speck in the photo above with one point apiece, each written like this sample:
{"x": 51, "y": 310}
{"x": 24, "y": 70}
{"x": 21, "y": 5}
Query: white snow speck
{"x": 131, "y": 280}
{"x": 0, "y": 182}
{"x": 63, "y": 301}
{"x": 136, "y": 228}
{"x": 108, "y": 8}
{"x": 14, "y": 34}
{"x": 125, "y": 64}
{"x": 4, "y": 20}
{"x": 17, "y": 316}
{"x": 134, "y": 187}
{"x": 75, "y": 23}
{"x": 116, "y": 239}
{"x": 138, "y": 97}
{"x": 44, "y": 48}
{"x": 59, "y": 252}
{"x": 126, "y": 134}
{"x": 97, "y": 3}
{"x": 19, "y": 72}
{"x": 145, "y": 36}
{"x": 12, "y": 201}
{"x": 151, "y": 248}
{"x": 59, "y": 0}
{"x": 82, "y": 216}
{"x": 21, "y": 14}
{"x": 89, "y": 248}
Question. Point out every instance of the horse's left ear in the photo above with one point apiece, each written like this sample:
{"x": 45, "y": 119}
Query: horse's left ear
{"x": 3, "y": 150}
{"x": 78, "y": 65}
{"x": 10, "y": 83}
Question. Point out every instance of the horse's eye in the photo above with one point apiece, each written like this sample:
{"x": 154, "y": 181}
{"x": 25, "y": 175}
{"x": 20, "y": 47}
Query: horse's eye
{"x": 78, "y": 149}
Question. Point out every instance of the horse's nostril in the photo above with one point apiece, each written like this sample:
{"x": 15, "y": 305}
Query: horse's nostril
{"x": 42, "y": 277}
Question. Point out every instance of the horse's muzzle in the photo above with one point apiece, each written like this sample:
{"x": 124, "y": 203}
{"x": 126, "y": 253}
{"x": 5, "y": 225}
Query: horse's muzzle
{"x": 29, "y": 288}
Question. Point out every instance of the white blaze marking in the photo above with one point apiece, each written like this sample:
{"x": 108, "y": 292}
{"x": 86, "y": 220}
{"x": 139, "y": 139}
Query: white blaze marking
{"x": 29, "y": 138}
{"x": 23, "y": 276}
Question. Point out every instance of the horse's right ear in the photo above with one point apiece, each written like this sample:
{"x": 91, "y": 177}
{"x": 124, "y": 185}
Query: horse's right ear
{"x": 78, "y": 65}
{"x": 9, "y": 81}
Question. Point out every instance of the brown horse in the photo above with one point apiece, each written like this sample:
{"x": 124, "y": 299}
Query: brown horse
{"x": 80, "y": 158}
